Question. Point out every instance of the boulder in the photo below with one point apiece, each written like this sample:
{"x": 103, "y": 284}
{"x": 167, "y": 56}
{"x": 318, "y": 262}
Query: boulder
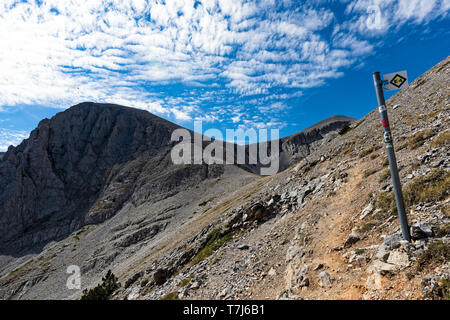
{"x": 352, "y": 238}
{"x": 398, "y": 258}
{"x": 420, "y": 231}
{"x": 160, "y": 276}
{"x": 383, "y": 268}
{"x": 366, "y": 211}
{"x": 325, "y": 280}
{"x": 382, "y": 253}
{"x": 243, "y": 247}
{"x": 393, "y": 241}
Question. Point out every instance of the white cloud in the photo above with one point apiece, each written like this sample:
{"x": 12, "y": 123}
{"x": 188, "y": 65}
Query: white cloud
{"x": 11, "y": 137}
{"x": 58, "y": 52}
{"x": 379, "y": 16}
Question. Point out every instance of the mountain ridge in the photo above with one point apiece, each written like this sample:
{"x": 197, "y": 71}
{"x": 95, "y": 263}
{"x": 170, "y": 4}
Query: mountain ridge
{"x": 72, "y": 157}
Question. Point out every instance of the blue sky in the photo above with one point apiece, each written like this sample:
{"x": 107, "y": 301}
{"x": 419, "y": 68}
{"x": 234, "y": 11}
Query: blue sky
{"x": 231, "y": 63}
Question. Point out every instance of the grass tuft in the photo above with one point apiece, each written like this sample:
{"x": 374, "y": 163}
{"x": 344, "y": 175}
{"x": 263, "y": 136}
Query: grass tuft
{"x": 368, "y": 151}
{"x": 215, "y": 240}
{"x": 441, "y": 140}
{"x": 437, "y": 253}
{"x": 419, "y": 139}
{"x": 385, "y": 174}
{"x": 171, "y": 296}
{"x": 435, "y": 186}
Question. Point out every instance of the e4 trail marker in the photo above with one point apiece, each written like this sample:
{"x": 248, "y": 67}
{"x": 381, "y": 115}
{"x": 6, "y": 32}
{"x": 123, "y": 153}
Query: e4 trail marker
{"x": 397, "y": 80}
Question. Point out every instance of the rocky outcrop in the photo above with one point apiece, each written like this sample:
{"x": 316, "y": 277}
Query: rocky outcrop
{"x": 77, "y": 168}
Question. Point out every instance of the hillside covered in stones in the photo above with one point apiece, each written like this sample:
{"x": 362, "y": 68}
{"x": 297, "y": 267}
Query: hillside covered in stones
{"x": 324, "y": 227}
{"x": 94, "y": 162}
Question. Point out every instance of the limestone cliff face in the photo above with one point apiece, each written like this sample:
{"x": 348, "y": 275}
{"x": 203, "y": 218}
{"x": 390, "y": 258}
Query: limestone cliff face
{"x": 51, "y": 180}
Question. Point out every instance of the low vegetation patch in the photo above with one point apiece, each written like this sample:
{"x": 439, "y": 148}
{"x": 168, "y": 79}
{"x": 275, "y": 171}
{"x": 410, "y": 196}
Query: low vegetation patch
{"x": 171, "y": 296}
{"x": 386, "y": 202}
{"x": 368, "y": 226}
{"x": 309, "y": 167}
{"x": 437, "y": 253}
{"x": 441, "y": 140}
{"x": 144, "y": 283}
{"x": 446, "y": 209}
{"x": 384, "y": 161}
{"x": 435, "y": 186}
{"x": 369, "y": 172}
{"x": 418, "y": 139}
{"x": 420, "y": 83}
{"x": 368, "y": 151}
{"x": 443, "y": 230}
{"x": 331, "y": 194}
{"x": 104, "y": 290}
{"x": 215, "y": 240}
{"x": 385, "y": 174}
{"x": 444, "y": 289}
{"x": 443, "y": 66}
{"x": 186, "y": 281}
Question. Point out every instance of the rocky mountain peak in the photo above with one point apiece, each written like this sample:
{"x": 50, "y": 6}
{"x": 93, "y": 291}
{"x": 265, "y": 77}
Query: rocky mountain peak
{"x": 55, "y": 175}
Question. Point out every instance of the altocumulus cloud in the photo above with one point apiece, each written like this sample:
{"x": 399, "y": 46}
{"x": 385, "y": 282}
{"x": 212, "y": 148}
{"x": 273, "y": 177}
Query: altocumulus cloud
{"x": 11, "y": 137}
{"x": 182, "y": 58}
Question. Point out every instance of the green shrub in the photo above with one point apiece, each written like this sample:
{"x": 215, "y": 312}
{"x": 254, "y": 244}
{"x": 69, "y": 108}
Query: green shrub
{"x": 385, "y": 161}
{"x": 104, "y": 290}
{"x": 437, "y": 253}
{"x": 446, "y": 209}
{"x": 420, "y": 83}
{"x": 309, "y": 167}
{"x": 215, "y": 240}
{"x": 331, "y": 194}
{"x": 204, "y": 203}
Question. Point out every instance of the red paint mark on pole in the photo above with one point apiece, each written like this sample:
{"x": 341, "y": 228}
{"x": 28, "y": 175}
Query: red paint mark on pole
{"x": 385, "y": 123}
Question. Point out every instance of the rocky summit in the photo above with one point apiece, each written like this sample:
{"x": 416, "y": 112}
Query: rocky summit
{"x": 95, "y": 188}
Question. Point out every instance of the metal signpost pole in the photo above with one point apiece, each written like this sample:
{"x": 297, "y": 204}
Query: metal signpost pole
{"x": 391, "y": 156}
